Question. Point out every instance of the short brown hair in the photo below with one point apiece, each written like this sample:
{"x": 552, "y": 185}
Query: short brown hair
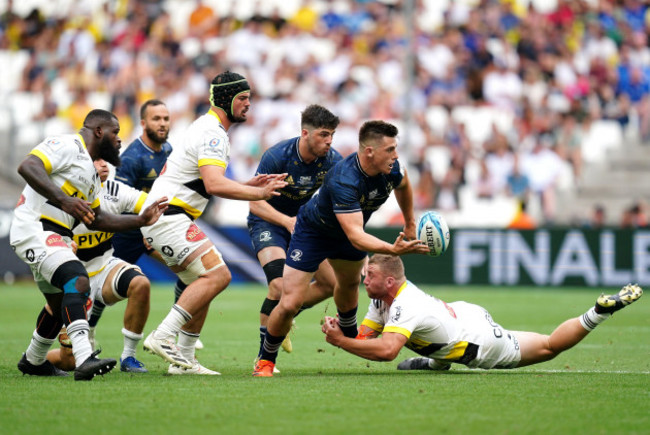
{"x": 373, "y": 132}
{"x": 390, "y": 265}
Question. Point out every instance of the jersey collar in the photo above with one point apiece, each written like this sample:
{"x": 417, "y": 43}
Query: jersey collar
{"x": 402, "y": 287}
{"x": 213, "y": 113}
{"x": 356, "y": 157}
{"x": 81, "y": 138}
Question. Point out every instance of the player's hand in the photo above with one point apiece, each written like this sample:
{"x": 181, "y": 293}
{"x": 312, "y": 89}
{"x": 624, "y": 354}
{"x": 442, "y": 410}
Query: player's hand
{"x": 74, "y": 247}
{"x": 79, "y": 209}
{"x": 332, "y": 330}
{"x": 403, "y": 246}
{"x": 151, "y": 214}
{"x": 290, "y": 224}
{"x": 270, "y": 189}
{"x": 262, "y": 179}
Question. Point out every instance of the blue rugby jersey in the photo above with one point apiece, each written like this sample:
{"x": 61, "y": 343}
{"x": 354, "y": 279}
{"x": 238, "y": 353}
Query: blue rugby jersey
{"x": 141, "y": 165}
{"x": 347, "y": 189}
{"x": 304, "y": 179}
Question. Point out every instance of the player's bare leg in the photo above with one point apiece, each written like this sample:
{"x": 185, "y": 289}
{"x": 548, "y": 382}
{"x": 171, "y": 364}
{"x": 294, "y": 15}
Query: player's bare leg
{"x": 195, "y": 300}
{"x": 536, "y": 348}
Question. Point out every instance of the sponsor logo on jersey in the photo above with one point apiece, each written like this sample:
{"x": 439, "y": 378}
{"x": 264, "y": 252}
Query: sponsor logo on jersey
{"x": 30, "y": 255}
{"x": 373, "y": 194}
{"x": 289, "y": 180}
{"x": 21, "y": 201}
{"x": 304, "y": 179}
{"x": 296, "y": 255}
{"x": 55, "y": 240}
{"x": 194, "y": 234}
{"x": 265, "y": 236}
{"x": 167, "y": 251}
{"x": 398, "y": 314}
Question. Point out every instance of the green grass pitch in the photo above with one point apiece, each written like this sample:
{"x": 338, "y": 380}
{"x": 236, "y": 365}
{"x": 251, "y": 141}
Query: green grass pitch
{"x": 600, "y": 387}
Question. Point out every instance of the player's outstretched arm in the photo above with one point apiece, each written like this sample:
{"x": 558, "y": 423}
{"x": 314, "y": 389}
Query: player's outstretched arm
{"x": 404, "y": 197}
{"x": 114, "y": 223}
{"x": 33, "y": 171}
{"x": 352, "y": 224}
{"x": 384, "y": 348}
{"x": 217, "y": 184}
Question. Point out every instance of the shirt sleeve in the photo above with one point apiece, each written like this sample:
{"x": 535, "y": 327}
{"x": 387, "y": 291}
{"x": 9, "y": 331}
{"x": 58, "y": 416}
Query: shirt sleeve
{"x": 402, "y": 319}
{"x": 344, "y": 195}
{"x": 215, "y": 150}
{"x": 56, "y": 154}
{"x": 373, "y": 319}
{"x": 130, "y": 199}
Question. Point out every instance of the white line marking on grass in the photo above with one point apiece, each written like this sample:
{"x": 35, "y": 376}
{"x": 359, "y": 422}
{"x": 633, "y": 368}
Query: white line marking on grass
{"x": 549, "y": 371}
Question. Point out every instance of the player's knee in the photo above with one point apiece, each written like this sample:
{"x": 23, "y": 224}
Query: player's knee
{"x": 71, "y": 277}
{"x": 273, "y": 269}
{"x": 139, "y": 288}
{"x": 129, "y": 281}
{"x": 275, "y": 289}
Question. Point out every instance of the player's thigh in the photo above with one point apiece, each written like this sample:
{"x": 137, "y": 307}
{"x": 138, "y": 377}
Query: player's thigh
{"x": 271, "y": 253}
{"x": 347, "y": 273}
{"x": 534, "y": 347}
{"x": 294, "y": 287}
{"x": 176, "y": 238}
{"x": 325, "y": 275}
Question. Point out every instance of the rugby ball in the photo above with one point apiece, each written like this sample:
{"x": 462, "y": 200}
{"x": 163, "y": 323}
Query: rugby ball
{"x": 434, "y": 232}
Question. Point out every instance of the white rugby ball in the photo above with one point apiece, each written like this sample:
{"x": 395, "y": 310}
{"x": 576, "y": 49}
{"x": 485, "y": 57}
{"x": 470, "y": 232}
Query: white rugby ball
{"x": 432, "y": 229}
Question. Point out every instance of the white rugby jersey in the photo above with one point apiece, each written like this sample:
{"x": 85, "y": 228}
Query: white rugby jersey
{"x": 451, "y": 332}
{"x": 70, "y": 167}
{"x": 94, "y": 248}
{"x": 204, "y": 143}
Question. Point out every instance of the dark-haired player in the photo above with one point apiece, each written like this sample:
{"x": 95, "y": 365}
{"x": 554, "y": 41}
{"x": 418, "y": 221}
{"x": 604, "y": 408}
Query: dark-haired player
{"x": 63, "y": 189}
{"x": 195, "y": 170}
{"x": 306, "y": 159}
{"x": 331, "y": 226}
{"x": 141, "y": 163}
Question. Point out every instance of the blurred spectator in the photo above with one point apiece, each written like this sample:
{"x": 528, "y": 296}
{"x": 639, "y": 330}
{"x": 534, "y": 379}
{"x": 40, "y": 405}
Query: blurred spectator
{"x": 550, "y": 74}
{"x": 597, "y": 218}
{"x": 517, "y": 183}
{"x": 635, "y": 216}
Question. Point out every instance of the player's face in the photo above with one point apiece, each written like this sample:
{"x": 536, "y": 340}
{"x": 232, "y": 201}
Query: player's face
{"x": 110, "y": 143}
{"x": 156, "y": 123}
{"x": 319, "y": 141}
{"x": 102, "y": 169}
{"x": 384, "y": 155}
{"x": 375, "y": 282}
{"x": 240, "y": 106}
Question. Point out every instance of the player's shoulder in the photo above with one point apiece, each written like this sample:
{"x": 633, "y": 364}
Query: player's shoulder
{"x": 283, "y": 148}
{"x": 346, "y": 171}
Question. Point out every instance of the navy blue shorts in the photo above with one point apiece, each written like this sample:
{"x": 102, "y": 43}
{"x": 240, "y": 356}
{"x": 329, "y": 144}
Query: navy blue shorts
{"x": 129, "y": 246}
{"x": 308, "y": 248}
{"x": 264, "y": 234}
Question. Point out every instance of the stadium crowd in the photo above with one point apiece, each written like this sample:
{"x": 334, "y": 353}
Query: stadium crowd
{"x": 541, "y": 79}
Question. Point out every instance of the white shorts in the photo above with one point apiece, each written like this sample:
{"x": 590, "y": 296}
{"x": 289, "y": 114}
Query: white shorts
{"x": 500, "y": 348}
{"x": 43, "y": 251}
{"x": 174, "y": 237}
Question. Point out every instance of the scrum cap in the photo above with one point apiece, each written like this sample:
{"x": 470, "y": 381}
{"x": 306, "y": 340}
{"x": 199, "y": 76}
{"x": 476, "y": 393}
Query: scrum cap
{"x": 224, "y": 88}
